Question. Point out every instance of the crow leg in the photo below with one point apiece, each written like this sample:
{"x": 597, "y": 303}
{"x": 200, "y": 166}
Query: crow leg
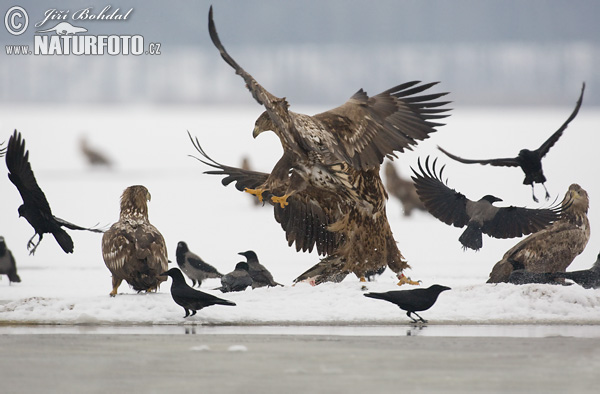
{"x": 115, "y": 284}
{"x": 193, "y": 312}
{"x": 30, "y": 243}
{"x": 533, "y": 194}
{"x": 420, "y": 318}
{"x": 411, "y": 318}
{"x": 547, "y": 194}
{"x": 187, "y": 313}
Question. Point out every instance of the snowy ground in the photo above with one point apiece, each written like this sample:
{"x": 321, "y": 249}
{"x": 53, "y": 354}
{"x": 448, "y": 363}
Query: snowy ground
{"x": 150, "y": 147}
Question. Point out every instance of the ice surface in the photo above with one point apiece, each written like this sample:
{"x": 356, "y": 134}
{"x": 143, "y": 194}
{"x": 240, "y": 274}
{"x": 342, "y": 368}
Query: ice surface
{"x": 151, "y": 147}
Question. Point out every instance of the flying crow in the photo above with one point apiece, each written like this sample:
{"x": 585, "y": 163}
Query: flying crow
{"x": 193, "y": 266}
{"x": 35, "y": 207}
{"x": 589, "y": 279}
{"x": 259, "y": 273}
{"x": 8, "y": 266}
{"x": 529, "y": 161}
{"x": 412, "y": 301}
{"x": 237, "y": 280}
{"x": 189, "y": 298}
{"x": 452, "y": 207}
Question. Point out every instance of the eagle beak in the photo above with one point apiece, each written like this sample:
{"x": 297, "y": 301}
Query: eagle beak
{"x": 255, "y": 132}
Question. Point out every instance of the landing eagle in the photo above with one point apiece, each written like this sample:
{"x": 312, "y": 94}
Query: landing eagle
{"x": 326, "y": 189}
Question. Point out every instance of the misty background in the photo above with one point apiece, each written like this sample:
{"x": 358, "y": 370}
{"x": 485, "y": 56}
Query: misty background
{"x": 484, "y": 52}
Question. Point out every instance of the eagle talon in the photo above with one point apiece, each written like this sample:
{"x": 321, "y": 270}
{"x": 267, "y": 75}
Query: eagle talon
{"x": 282, "y": 201}
{"x": 256, "y": 192}
{"x": 403, "y": 279}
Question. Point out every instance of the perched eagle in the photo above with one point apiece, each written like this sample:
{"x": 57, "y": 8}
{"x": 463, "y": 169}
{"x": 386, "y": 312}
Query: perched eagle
{"x": 453, "y": 208}
{"x": 530, "y": 161}
{"x": 553, "y": 248}
{"x": 326, "y": 187}
{"x": 36, "y": 209}
{"x": 133, "y": 249}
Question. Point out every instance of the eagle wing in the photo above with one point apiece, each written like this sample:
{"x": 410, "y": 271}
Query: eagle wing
{"x": 366, "y": 129}
{"x": 505, "y": 162}
{"x": 511, "y": 222}
{"x": 305, "y": 219}
{"x": 444, "y": 203}
{"x": 542, "y": 150}
{"x": 21, "y": 175}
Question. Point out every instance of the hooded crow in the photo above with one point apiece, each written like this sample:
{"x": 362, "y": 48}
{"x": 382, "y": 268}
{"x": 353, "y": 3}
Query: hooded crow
{"x": 237, "y": 280}
{"x": 193, "y": 266}
{"x": 259, "y": 273}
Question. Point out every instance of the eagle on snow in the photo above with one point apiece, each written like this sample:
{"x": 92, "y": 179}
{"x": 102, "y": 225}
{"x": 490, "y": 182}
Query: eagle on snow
{"x": 326, "y": 189}
{"x": 133, "y": 249}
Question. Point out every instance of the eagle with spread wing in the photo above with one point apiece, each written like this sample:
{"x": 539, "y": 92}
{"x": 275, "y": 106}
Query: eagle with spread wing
{"x": 326, "y": 187}
{"x": 133, "y": 249}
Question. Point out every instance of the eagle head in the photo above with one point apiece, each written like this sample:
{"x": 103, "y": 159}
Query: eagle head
{"x": 263, "y": 123}
{"x": 134, "y": 202}
{"x": 578, "y": 198}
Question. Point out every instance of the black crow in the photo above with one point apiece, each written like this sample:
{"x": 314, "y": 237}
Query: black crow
{"x": 35, "y": 207}
{"x": 237, "y": 280}
{"x": 191, "y": 299}
{"x": 589, "y": 279}
{"x": 8, "y": 265}
{"x": 259, "y": 273}
{"x": 412, "y": 301}
{"x": 520, "y": 276}
{"x": 193, "y": 266}
{"x": 453, "y": 208}
{"x": 529, "y": 161}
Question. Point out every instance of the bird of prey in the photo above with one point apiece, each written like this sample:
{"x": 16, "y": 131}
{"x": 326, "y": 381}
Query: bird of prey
{"x": 326, "y": 189}
{"x": 589, "y": 279}
{"x": 133, "y": 249}
{"x": 530, "y": 161}
{"x": 453, "y": 208}
{"x": 93, "y": 156}
{"x": 403, "y": 189}
{"x": 36, "y": 209}
{"x": 412, "y": 301}
{"x": 8, "y": 265}
{"x": 189, "y": 298}
{"x": 193, "y": 266}
{"x": 237, "y": 280}
{"x": 553, "y": 248}
{"x": 259, "y": 273}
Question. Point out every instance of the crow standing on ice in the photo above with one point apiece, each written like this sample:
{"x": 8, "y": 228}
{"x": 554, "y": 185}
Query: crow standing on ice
{"x": 589, "y": 279}
{"x": 453, "y": 208}
{"x": 529, "y": 161}
{"x": 189, "y": 298}
{"x": 412, "y": 301}
{"x": 237, "y": 280}
{"x": 35, "y": 207}
{"x": 259, "y": 273}
{"x": 193, "y": 266}
{"x": 8, "y": 266}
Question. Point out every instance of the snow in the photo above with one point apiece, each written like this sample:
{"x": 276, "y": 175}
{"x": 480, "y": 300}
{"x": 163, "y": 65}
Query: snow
{"x": 151, "y": 147}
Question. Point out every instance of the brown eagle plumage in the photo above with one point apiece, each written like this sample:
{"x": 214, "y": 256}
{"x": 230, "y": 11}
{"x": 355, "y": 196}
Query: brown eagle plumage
{"x": 403, "y": 189}
{"x": 326, "y": 187}
{"x": 553, "y": 248}
{"x": 133, "y": 249}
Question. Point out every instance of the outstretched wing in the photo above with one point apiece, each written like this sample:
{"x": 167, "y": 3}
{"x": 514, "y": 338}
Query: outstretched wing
{"x": 72, "y": 226}
{"x": 2, "y": 149}
{"x": 511, "y": 222}
{"x": 444, "y": 203}
{"x": 21, "y": 174}
{"x": 367, "y": 129}
{"x": 542, "y": 150}
{"x": 305, "y": 219}
{"x": 506, "y": 162}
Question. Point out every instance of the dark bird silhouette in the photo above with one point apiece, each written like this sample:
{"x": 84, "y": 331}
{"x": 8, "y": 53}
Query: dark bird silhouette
{"x": 2, "y": 149}
{"x": 520, "y": 276}
{"x": 259, "y": 273}
{"x": 553, "y": 248}
{"x": 589, "y": 279}
{"x": 412, "y": 301}
{"x": 193, "y": 266}
{"x": 35, "y": 208}
{"x": 93, "y": 156}
{"x": 237, "y": 280}
{"x": 133, "y": 249}
{"x": 403, "y": 189}
{"x": 8, "y": 265}
{"x": 530, "y": 161}
{"x": 453, "y": 208}
{"x": 189, "y": 298}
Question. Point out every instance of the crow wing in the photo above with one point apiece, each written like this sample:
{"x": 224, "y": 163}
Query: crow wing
{"x": 506, "y": 162}
{"x": 511, "y": 222}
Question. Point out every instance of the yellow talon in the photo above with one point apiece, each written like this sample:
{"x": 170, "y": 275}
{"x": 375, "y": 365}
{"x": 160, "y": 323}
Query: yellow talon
{"x": 362, "y": 279}
{"x": 282, "y": 201}
{"x": 256, "y": 192}
{"x": 406, "y": 280}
